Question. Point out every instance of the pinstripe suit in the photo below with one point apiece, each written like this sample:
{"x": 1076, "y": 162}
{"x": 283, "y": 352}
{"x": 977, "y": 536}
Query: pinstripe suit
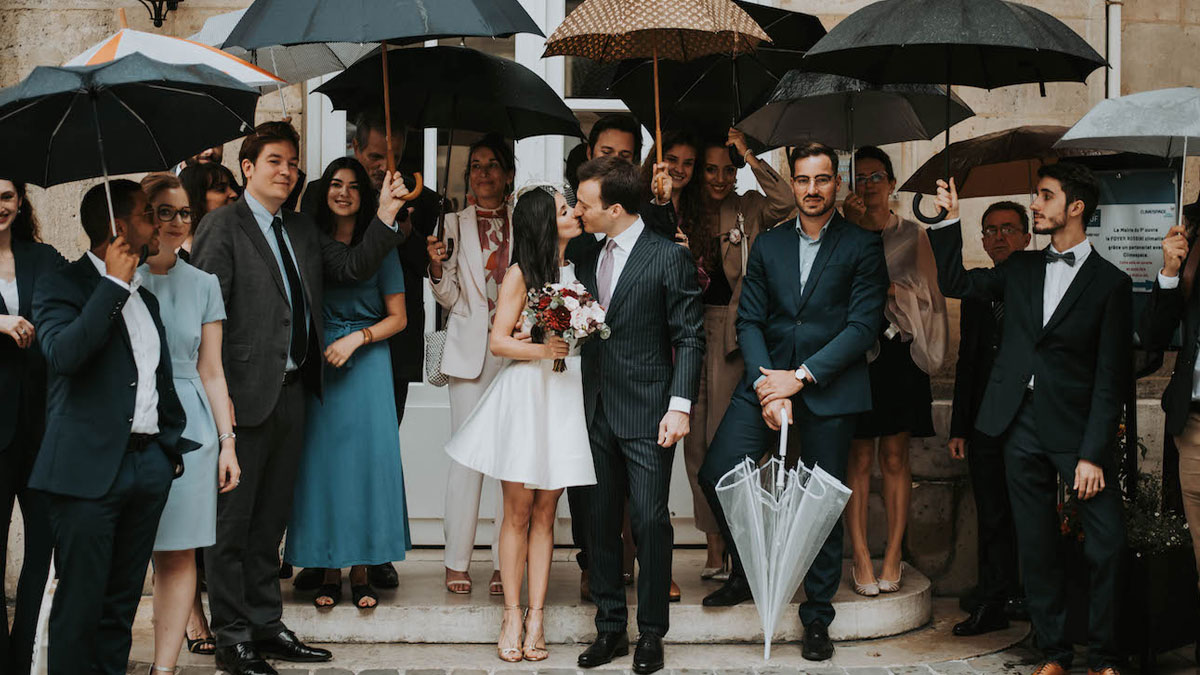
{"x": 654, "y": 353}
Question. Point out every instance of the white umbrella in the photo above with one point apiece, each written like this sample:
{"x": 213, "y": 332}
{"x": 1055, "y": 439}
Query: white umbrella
{"x": 1158, "y": 122}
{"x": 779, "y": 519}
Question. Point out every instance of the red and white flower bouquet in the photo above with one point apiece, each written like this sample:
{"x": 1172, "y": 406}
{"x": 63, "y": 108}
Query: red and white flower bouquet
{"x": 568, "y": 311}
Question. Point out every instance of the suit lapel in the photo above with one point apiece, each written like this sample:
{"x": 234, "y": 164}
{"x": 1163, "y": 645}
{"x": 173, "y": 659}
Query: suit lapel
{"x": 250, "y": 227}
{"x": 22, "y": 260}
{"x": 635, "y": 266}
{"x": 1079, "y": 284}
{"x": 468, "y": 239}
{"x": 832, "y": 236}
{"x": 1039, "y": 292}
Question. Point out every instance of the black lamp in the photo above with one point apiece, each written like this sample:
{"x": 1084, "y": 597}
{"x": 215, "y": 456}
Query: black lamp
{"x": 158, "y": 9}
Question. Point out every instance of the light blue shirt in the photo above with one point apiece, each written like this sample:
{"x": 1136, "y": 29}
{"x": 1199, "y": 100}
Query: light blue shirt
{"x": 809, "y": 248}
{"x": 264, "y": 218}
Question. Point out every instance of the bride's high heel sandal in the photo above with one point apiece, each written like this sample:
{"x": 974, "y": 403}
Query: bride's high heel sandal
{"x": 535, "y": 636}
{"x": 160, "y": 669}
{"x": 506, "y": 653}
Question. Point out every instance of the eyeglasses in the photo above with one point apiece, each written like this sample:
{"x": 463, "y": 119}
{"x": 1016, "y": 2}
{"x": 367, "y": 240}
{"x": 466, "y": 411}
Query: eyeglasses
{"x": 1005, "y": 231}
{"x": 821, "y": 181}
{"x": 873, "y": 179}
{"x": 167, "y": 213}
{"x": 486, "y": 168}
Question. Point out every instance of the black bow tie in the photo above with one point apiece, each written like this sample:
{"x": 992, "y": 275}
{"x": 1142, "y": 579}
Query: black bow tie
{"x": 1068, "y": 257}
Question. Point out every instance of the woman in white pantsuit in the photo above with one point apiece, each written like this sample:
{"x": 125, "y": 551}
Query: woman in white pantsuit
{"x": 466, "y": 270}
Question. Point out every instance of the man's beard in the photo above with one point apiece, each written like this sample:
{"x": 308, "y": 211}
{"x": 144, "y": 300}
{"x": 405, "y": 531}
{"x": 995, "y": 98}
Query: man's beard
{"x": 825, "y": 207}
{"x": 1048, "y": 225}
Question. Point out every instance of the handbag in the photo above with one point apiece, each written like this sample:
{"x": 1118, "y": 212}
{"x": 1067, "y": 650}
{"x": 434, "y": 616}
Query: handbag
{"x": 435, "y": 346}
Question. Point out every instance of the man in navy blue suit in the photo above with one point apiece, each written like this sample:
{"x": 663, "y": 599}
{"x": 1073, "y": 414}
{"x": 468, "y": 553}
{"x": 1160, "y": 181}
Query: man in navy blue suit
{"x": 811, "y": 307}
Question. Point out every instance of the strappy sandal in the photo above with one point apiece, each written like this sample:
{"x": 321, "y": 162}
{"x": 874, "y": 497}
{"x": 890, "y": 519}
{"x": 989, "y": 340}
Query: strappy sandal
{"x": 509, "y": 654}
{"x": 495, "y": 587}
{"x": 362, "y": 591}
{"x": 205, "y": 646}
{"x": 331, "y": 591}
{"x": 161, "y": 669}
{"x": 535, "y": 638}
{"x": 459, "y": 586}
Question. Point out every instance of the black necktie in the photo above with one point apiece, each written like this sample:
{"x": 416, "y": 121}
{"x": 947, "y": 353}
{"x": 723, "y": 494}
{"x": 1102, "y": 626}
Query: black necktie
{"x": 299, "y": 316}
{"x": 1068, "y": 257}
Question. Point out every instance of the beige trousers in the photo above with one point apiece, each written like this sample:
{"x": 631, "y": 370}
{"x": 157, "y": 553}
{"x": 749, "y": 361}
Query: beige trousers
{"x": 1189, "y": 476}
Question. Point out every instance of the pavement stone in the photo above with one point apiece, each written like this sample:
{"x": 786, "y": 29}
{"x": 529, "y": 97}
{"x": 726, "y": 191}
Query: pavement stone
{"x": 461, "y": 671}
{"x": 913, "y": 670}
{"x": 291, "y": 671}
{"x": 335, "y": 671}
{"x": 868, "y": 671}
{"x": 436, "y": 671}
{"x": 556, "y": 671}
{"x": 196, "y": 670}
{"x": 777, "y": 670}
{"x": 953, "y": 668}
{"x": 824, "y": 670}
{"x": 382, "y": 671}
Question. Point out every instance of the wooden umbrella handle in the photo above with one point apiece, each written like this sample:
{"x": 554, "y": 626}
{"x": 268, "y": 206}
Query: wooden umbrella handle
{"x": 416, "y": 191}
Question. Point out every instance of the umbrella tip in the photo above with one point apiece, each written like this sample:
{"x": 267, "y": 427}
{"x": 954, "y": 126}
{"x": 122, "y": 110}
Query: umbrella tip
{"x": 121, "y": 18}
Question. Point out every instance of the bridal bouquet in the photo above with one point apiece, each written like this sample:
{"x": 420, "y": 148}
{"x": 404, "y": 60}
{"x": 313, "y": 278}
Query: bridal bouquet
{"x": 568, "y": 311}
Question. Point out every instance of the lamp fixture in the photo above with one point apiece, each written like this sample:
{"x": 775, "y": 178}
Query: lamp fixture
{"x": 158, "y": 9}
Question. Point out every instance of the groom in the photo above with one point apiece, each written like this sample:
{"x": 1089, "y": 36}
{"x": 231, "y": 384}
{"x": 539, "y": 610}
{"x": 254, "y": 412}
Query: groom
{"x": 638, "y": 389}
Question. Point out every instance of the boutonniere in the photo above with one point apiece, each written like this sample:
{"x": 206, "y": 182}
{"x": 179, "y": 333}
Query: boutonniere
{"x": 735, "y": 235}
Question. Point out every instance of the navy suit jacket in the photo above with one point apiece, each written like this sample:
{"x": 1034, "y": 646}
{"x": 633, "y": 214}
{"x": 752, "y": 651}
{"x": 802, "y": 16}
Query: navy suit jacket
{"x": 828, "y": 326}
{"x": 92, "y": 381}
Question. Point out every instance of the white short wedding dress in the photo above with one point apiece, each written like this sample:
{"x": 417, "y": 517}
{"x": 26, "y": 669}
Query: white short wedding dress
{"x": 529, "y": 427}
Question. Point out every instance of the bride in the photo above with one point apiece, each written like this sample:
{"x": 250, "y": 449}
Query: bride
{"x": 528, "y": 431}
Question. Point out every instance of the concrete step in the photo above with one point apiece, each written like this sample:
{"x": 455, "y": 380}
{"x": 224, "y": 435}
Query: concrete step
{"x": 422, "y": 611}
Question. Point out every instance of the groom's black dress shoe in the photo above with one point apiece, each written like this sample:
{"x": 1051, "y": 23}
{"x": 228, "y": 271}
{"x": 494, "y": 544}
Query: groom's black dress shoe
{"x": 817, "y": 645}
{"x": 986, "y": 618}
{"x": 648, "y": 657}
{"x": 607, "y": 647}
{"x": 736, "y": 590}
{"x": 242, "y": 659}
{"x": 287, "y": 647}
{"x": 383, "y": 576}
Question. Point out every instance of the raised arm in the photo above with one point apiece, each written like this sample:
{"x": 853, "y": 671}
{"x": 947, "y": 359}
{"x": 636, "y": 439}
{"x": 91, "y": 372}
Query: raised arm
{"x": 443, "y": 263}
{"x": 1164, "y": 311}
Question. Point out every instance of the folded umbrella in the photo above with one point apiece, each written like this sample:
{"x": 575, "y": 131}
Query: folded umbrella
{"x": 135, "y": 114}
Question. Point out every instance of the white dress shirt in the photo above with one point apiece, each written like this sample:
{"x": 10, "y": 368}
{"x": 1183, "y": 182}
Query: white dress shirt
{"x": 143, "y": 337}
{"x": 1167, "y": 283}
{"x": 8, "y": 291}
{"x": 624, "y": 245}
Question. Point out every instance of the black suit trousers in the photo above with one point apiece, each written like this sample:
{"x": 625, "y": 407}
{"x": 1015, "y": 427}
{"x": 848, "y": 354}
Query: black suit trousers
{"x": 999, "y": 580}
{"x": 103, "y": 548}
{"x": 640, "y": 469}
{"x": 242, "y": 568}
{"x": 823, "y": 440}
{"x": 16, "y": 650}
{"x": 1032, "y": 483}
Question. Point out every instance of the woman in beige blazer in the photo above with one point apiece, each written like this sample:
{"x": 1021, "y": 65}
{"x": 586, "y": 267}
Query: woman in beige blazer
{"x": 720, "y": 242}
{"x": 465, "y": 271}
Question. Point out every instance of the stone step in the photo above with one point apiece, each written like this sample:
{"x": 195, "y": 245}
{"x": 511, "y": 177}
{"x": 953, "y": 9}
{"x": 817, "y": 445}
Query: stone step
{"x": 422, "y": 611}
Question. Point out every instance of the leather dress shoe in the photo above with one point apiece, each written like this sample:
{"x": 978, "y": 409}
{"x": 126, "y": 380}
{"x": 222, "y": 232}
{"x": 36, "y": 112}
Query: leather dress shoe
{"x": 607, "y": 647}
{"x": 817, "y": 646}
{"x": 648, "y": 656}
{"x": 734, "y": 591}
{"x": 986, "y": 618}
{"x": 242, "y": 659}
{"x": 287, "y": 647}
{"x": 1050, "y": 668}
{"x": 383, "y": 576}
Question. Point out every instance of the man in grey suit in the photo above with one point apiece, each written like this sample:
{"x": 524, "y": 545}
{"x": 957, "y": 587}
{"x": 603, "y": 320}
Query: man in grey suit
{"x": 271, "y": 264}
{"x": 638, "y": 387}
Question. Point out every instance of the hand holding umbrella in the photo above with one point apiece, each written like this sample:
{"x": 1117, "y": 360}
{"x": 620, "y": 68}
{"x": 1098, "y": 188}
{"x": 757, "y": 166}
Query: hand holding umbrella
{"x": 947, "y": 199}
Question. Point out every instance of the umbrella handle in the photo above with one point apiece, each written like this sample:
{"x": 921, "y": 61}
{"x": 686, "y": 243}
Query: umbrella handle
{"x": 416, "y": 191}
{"x": 928, "y": 220}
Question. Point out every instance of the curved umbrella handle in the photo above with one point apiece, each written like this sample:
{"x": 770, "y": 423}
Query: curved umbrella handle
{"x": 417, "y": 188}
{"x": 783, "y": 434}
{"x": 928, "y": 220}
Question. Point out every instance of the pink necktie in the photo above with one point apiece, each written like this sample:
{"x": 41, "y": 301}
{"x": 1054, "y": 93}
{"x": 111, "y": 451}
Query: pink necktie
{"x": 604, "y": 274}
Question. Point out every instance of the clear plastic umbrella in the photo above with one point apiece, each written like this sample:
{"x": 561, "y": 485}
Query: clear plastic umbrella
{"x": 779, "y": 519}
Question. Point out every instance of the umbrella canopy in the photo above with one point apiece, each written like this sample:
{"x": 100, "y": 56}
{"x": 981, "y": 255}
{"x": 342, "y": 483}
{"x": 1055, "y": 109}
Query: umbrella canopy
{"x": 785, "y": 29}
{"x": 173, "y": 50}
{"x": 295, "y": 63}
{"x": 978, "y": 43}
{"x": 1000, "y": 163}
{"x": 268, "y": 23}
{"x": 845, "y": 113}
{"x": 456, "y": 88}
{"x": 149, "y": 115}
{"x": 779, "y": 519}
{"x": 1156, "y": 122}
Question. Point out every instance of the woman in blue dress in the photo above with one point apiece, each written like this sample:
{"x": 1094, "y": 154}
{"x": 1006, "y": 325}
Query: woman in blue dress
{"x": 192, "y": 314}
{"x": 349, "y": 508}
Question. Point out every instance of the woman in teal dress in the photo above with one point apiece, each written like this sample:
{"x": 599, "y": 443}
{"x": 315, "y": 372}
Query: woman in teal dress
{"x": 349, "y": 508}
{"x": 192, "y": 313}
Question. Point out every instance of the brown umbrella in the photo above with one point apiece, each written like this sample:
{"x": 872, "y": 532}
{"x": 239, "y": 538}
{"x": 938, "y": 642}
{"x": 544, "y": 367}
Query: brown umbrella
{"x": 1000, "y": 163}
{"x": 680, "y": 30}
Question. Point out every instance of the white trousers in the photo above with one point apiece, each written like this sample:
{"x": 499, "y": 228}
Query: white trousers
{"x": 463, "y": 485}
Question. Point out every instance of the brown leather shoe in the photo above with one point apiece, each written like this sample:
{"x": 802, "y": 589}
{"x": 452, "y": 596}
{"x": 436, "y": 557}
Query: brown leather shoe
{"x": 1050, "y": 668}
{"x": 585, "y": 592}
{"x": 675, "y": 594}
{"x": 1107, "y": 670}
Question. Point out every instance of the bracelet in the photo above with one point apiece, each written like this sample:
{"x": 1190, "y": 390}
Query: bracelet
{"x": 746, "y": 154}
{"x": 367, "y": 336}
{"x": 222, "y": 437}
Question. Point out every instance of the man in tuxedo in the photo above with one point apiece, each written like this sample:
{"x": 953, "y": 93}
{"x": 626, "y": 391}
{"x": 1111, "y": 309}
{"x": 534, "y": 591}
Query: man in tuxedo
{"x": 271, "y": 264}
{"x": 638, "y": 387}
{"x": 113, "y": 436}
{"x": 811, "y": 307}
{"x": 1055, "y": 395}
{"x": 998, "y": 591}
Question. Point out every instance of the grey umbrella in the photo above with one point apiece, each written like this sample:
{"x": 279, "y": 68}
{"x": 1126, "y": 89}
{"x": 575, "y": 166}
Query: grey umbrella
{"x": 1158, "y": 122}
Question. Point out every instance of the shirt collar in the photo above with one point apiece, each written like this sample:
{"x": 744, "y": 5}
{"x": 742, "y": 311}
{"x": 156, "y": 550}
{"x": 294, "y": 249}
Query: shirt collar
{"x": 1081, "y": 251}
{"x": 629, "y": 237}
{"x": 262, "y": 216}
{"x": 821, "y": 234}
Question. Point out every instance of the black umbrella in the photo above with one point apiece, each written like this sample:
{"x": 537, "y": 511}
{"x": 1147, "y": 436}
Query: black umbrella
{"x": 268, "y": 23}
{"x": 55, "y": 123}
{"x": 710, "y": 94}
{"x": 978, "y": 43}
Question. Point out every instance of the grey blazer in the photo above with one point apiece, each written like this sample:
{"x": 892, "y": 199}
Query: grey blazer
{"x": 230, "y": 245}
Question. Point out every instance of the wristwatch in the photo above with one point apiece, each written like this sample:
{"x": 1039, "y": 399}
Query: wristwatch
{"x": 801, "y": 375}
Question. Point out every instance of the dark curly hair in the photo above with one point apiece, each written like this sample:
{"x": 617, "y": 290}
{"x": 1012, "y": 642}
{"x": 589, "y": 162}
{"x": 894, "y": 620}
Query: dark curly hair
{"x": 25, "y": 225}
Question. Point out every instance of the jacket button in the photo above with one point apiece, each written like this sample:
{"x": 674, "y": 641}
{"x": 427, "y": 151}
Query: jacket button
{"x": 131, "y": 420}
{"x": 133, "y": 385}
{"x": 799, "y": 323}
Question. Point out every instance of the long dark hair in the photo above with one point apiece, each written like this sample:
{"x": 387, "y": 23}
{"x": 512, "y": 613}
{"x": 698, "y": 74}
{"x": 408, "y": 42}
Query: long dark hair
{"x": 535, "y": 237}
{"x": 702, "y": 232}
{"x": 367, "y": 205}
{"x": 198, "y": 179}
{"x": 25, "y": 225}
{"x": 691, "y": 210}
